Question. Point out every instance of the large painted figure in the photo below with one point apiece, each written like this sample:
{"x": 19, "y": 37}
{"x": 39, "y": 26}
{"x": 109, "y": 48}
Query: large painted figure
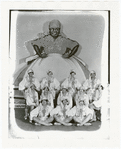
{"x": 55, "y": 52}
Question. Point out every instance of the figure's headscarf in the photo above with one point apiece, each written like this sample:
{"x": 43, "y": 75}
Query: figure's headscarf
{"x": 54, "y": 23}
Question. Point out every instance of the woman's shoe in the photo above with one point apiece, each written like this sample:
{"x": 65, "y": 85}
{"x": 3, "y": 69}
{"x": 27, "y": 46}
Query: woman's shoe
{"x": 25, "y": 117}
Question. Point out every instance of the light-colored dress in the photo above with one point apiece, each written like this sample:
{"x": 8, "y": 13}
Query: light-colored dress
{"x": 62, "y": 97}
{"x": 71, "y": 85}
{"x": 30, "y": 94}
{"x": 97, "y": 98}
{"x": 60, "y": 111}
{"x": 81, "y": 96}
{"x": 49, "y": 97}
{"x": 53, "y": 85}
{"x": 81, "y": 112}
{"x": 92, "y": 85}
{"x": 41, "y": 112}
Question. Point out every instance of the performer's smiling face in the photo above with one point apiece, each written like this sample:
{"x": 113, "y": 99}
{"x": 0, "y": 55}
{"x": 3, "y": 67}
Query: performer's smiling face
{"x": 31, "y": 74}
{"x": 81, "y": 103}
{"x": 65, "y": 102}
{"x": 44, "y": 103}
{"x": 73, "y": 75}
{"x": 50, "y": 74}
{"x": 46, "y": 91}
{"x": 64, "y": 91}
{"x": 93, "y": 75}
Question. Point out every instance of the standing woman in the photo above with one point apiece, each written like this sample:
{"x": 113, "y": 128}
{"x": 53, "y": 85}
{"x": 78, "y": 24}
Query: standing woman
{"x": 46, "y": 94}
{"x": 64, "y": 94}
{"x": 92, "y": 83}
{"x": 30, "y": 86}
{"x": 71, "y": 83}
{"x": 51, "y": 82}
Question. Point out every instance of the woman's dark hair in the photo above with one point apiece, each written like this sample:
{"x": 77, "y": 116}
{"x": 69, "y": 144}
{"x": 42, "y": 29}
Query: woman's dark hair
{"x": 43, "y": 100}
{"x": 102, "y": 87}
{"x": 65, "y": 89}
{"x": 46, "y": 88}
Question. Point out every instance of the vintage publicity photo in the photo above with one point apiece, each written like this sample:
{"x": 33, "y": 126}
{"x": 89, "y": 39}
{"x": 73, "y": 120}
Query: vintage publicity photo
{"x": 60, "y": 80}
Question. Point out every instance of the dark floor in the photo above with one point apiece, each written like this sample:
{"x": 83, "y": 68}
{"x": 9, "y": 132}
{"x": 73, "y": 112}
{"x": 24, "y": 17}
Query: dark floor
{"x": 25, "y": 125}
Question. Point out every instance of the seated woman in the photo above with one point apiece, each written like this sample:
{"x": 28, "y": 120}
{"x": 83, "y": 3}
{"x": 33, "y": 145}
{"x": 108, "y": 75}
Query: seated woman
{"x": 46, "y": 94}
{"x": 71, "y": 83}
{"x": 81, "y": 113}
{"x": 64, "y": 94}
{"x": 52, "y": 83}
{"x": 81, "y": 95}
{"x": 60, "y": 113}
{"x": 92, "y": 83}
{"x": 30, "y": 86}
{"x": 41, "y": 114}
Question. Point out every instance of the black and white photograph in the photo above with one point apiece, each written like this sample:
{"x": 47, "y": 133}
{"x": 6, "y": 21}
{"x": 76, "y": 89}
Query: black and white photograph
{"x": 59, "y": 76}
{"x": 57, "y": 79}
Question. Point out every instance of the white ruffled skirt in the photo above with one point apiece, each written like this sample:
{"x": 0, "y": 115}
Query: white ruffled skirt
{"x": 60, "y": 67}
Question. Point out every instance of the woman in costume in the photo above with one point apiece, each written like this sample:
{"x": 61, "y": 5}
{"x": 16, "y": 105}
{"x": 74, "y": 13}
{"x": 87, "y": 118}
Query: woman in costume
{"x": 41, "y": 115}
{"x": 30, "y": 87}
{"x": 64, "y": 94}
{"x": 51, "y": 82}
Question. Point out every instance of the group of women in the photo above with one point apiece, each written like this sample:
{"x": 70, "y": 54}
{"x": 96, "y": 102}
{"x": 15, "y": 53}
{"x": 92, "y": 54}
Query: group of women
{"x": 49, "y": 102}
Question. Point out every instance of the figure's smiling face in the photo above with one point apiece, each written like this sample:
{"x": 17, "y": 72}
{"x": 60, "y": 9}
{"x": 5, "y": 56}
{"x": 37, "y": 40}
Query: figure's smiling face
{"x": 54, "y": 28}
{"x": 54, "y": 31}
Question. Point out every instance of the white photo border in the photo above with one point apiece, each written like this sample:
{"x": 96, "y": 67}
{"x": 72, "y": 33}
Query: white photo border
{"x": 114, "y": 67}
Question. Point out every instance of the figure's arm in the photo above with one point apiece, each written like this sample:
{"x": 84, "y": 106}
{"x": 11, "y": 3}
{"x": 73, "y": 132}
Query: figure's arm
{"x": 37, "y": 45}
{"x": 72, "y": 47}
{"x": 40, "y": 51}
{"x": 73, "y": 51}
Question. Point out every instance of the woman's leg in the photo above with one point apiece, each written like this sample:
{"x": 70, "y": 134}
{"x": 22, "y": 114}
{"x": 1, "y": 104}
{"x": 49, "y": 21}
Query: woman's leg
{"x": 26, "y": 112}
{"x": 34, "y": 113}
{"x": 49, "y": 119}
{"x": 68, "y": 119}
{"x": 85, "y": 120}
{"x": 31, "y": 108}
{"x": 77, "y": 119}
{"x": 58, "y": 119}
{"x": 37, "y": 120}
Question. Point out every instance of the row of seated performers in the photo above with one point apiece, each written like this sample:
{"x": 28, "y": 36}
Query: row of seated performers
{"x": 48, "y": 102}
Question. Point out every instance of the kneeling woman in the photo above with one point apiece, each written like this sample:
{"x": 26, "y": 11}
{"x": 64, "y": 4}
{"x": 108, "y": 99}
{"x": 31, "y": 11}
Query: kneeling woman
{"x": 41, "y": 115}
{"x": 81, "y": 114}
{"x": 60, "y": 113}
